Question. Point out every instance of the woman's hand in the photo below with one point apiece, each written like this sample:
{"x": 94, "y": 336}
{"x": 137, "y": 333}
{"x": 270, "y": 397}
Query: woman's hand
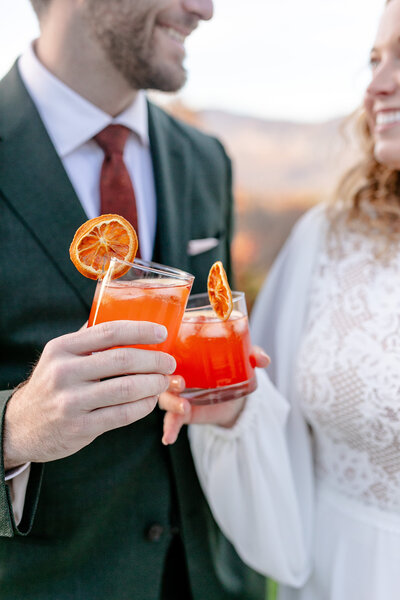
{"x": 181, "y": 412}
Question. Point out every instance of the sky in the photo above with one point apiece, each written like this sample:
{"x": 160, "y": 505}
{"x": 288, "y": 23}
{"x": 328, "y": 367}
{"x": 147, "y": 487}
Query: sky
{"x": 296, "y": 60}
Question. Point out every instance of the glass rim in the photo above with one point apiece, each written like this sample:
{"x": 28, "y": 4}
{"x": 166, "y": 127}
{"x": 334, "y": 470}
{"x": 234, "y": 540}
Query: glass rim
{"x": 154, "y": 267}
{"x": 235, "y": 297}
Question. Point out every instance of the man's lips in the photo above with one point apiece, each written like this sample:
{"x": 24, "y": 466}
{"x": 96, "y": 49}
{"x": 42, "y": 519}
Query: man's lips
{"x": 175, "y": 32}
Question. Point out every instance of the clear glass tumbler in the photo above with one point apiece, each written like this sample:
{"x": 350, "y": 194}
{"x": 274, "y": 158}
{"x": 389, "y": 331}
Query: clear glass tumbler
{"x": 214, "y": 356}
{"x": 147, "y": 292}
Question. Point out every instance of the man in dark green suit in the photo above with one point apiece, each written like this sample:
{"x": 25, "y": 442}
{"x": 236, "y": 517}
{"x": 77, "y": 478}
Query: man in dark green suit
{"x": 105, "y": 512}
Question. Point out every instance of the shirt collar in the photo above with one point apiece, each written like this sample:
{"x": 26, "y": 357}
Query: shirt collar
{"x": 71, "y": 120}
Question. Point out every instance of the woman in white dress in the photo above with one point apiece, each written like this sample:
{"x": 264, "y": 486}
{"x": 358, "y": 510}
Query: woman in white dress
{"x": 303, "y": 476}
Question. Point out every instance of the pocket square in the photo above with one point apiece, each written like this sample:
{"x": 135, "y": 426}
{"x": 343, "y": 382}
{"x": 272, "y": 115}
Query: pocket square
{"x": 201, "y": 245}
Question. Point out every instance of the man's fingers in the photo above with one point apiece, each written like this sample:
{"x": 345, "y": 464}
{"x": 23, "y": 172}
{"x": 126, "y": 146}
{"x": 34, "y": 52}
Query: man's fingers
{"x": 112, "y": 334}
{"x": 113, "y": 417}
{"x": 121, "y": 361}
{"x": 84, "y": 326}
{"x": 124, "y": 390}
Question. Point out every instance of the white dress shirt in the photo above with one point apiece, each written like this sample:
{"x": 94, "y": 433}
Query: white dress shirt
{"x": 71, "y": 123}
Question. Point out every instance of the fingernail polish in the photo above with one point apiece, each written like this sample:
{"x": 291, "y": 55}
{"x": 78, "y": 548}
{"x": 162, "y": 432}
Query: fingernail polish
{"x": 176, "y": 383}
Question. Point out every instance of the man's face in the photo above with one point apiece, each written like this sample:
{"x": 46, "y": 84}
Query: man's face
{"x": 144, "y": 39}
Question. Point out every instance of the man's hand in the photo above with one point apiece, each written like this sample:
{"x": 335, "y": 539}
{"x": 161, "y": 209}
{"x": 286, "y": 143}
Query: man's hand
{"x": 181, "y": 412}
{"x": 83, "y": 385}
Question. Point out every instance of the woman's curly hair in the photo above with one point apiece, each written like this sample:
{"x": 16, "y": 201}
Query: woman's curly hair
{"x": 370, "y": 191}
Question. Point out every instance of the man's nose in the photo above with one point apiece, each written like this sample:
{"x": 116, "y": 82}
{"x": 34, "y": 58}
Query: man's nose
{"x": 204, "y": 9}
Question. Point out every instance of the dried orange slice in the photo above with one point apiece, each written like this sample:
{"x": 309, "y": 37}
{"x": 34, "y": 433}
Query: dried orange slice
{"x": 219, "y": 292}
{"x": 98, "y": 240}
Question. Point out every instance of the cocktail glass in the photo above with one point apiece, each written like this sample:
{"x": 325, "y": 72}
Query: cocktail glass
{"x": 147, "y": 292}
{"x": 215, "y": 357}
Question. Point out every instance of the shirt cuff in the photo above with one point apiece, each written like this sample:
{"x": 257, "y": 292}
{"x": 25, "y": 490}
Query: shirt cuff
{"x": 17, "y": 484}
{"x": 11, "y": 473}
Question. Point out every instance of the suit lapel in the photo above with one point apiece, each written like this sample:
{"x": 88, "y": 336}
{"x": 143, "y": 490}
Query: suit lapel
{"x": 172, "y": 162}
{"x": 34, "y": 182}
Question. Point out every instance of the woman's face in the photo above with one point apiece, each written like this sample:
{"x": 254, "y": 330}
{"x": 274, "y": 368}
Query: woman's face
{"x": 382, "y": 97}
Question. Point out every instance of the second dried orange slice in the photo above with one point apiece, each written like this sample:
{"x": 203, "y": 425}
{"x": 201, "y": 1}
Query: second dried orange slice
{"x": 100, "y": 239}
{"x": 219, "y": 292}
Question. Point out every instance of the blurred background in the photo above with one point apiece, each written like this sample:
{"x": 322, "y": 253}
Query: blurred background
{"x": 274, "y": 80}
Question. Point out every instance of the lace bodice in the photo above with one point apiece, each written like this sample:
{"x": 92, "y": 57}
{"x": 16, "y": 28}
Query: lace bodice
{"x": 348, "y": 370}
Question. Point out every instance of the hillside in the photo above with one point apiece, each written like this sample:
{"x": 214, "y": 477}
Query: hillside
{"x": 280, "y": 169}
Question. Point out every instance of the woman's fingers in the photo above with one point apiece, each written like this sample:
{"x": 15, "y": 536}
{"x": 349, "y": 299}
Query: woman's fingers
{"x": 179, "y": 412}
{"x": 262, "y": 359}
{"x": 176, "y": 384}
{"x": 172, "y": 427}
{"x": 175, "y": 404}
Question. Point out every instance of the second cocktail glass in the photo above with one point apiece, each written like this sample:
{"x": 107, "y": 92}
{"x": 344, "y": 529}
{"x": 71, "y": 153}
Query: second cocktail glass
{"x": 213, "y": 356}
{"x": 147, "y": 292}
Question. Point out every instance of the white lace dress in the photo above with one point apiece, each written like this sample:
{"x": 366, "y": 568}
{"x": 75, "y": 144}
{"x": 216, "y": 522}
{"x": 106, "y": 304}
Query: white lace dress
{"x": 348, "y": 380}
{"x": 347, "y": 385}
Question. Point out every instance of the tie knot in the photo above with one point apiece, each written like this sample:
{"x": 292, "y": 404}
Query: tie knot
{"x": 112, "y": 139}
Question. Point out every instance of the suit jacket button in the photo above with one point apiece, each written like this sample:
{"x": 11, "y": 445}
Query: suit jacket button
{"x": 154, "y": 532}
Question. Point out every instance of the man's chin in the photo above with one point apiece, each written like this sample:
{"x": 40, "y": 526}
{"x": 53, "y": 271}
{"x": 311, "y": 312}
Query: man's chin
{"x": 165, "y": 80}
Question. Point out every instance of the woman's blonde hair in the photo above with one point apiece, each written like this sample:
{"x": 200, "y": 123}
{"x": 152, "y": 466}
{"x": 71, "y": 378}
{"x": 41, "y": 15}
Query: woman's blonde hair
{"x": 370, "y": 190}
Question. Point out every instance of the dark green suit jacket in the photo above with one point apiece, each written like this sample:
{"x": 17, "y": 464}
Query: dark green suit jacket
{"x": 85, "y": 529}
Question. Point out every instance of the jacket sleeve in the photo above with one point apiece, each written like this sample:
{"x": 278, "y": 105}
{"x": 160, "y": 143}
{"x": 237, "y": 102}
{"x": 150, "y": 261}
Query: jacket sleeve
{"x": 8, "y": 526}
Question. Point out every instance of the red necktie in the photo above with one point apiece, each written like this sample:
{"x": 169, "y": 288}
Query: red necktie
{"x": 116, "y": 191}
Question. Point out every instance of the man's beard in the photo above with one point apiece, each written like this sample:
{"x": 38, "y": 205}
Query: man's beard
{"x": 139, "y": 66}
{"x": 128, "y": 47}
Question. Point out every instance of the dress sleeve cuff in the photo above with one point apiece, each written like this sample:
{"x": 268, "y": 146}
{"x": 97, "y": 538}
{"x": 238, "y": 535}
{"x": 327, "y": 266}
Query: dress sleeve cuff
{"x": 265, "y": 393}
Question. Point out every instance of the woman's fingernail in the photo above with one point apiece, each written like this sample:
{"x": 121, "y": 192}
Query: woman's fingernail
{"x": 176, "y": 383}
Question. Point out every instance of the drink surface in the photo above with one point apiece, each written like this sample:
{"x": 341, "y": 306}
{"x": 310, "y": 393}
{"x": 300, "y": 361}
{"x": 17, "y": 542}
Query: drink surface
{"x": 211, "y": 353}
{"x": 160, "y": 301}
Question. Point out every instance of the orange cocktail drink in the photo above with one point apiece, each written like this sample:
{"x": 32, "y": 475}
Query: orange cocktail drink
{"x": 212, "y": 355}
{"x": 147, "y": 292}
